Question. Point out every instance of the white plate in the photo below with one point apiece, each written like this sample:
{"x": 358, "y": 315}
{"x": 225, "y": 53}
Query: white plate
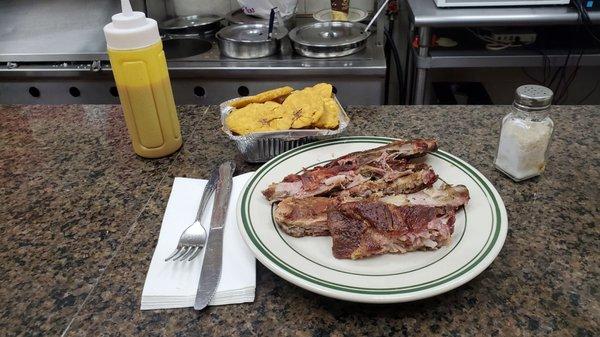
{"x": 479, "y": 234}
{"x": 354, "y": 15}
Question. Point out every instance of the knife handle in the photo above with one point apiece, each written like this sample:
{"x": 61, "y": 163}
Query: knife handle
{"x": 222, "y": 194}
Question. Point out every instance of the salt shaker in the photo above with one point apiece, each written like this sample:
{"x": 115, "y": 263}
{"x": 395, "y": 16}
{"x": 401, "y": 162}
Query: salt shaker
{"x": 525, "y": 134}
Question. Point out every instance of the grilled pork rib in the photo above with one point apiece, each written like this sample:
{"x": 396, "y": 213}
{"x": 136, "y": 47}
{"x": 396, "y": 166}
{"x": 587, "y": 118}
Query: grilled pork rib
{"x": 454, "y": 196}
{"x": 308, "y": 216}
{"x": 304, "y": 216}
{"x": 366, "y": 228}
{"x": 400, "y": 149}
{"x": 408, "y": 181}
{"x": 387, "y": 162}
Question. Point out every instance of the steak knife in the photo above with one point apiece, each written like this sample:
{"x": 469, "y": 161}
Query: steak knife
{"x": 213, "y": 255}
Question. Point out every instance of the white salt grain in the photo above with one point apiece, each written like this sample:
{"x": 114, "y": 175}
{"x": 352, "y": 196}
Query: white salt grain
{"x": 522, "y": 147}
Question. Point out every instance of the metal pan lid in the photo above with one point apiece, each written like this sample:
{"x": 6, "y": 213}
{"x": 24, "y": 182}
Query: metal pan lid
{"x": 250, "y": 33}
{"x": 182, "y": 22}
{"x": 329, "y": 34}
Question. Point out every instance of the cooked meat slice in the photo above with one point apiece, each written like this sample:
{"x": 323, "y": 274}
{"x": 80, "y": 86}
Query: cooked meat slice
{"x": 400, "y": 149}
{"x": 286, "y": 189}
{"x": 444, "y": 196}
{"x": 365, "y": 228}
{"x": 304, "y": 216}
{"x": 413, "y": 182}
{"x": 387, "y": 162}
{"x": 308, "y": 216}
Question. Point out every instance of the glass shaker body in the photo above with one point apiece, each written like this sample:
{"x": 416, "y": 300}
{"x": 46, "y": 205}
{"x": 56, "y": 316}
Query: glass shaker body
{"x": 524, "y": 141}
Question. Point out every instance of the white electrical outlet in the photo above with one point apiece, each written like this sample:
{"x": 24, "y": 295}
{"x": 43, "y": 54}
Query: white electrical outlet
{"x": 524, "y": 37}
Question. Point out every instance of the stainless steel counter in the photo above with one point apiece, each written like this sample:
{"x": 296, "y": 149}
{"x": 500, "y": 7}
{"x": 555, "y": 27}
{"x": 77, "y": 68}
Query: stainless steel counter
{"x": 203, "y": 79}
{"x": 63, "y": 60}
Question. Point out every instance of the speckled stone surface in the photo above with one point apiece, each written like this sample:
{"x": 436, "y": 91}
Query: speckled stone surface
{"x": 80, "y": 216}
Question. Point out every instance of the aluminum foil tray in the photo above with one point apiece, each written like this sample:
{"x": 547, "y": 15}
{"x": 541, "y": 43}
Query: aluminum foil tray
{"x": 260, "y": 147}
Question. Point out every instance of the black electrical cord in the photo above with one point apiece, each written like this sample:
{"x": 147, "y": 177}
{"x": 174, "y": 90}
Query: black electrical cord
{"x": 387, "y": 51}
{"x": 396, "y": 56}
{"x": 386, "y": 84}
{"x": 546, "y": 68}
{"x": 564, "y": 94}
{"x": 585, "y": 22}
{"x": 585, "y": 17}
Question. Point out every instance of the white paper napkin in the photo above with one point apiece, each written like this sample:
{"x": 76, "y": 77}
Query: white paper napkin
{"x": 174, "y": 284}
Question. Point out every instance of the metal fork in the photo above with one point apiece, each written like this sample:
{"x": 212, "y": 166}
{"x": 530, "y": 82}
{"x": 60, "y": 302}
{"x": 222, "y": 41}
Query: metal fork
{"x": 193, "y": 238}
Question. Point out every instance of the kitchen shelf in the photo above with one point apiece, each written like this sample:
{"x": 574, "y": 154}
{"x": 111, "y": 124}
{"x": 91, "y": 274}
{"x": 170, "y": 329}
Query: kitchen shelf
{"x": 439, "y": 59}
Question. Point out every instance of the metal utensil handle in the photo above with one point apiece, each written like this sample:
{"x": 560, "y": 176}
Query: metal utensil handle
{"x": 376, "y": 15}
{"x": 222, "y": 194}
{"x": 271, "y": 22}
{"x": 208, "y": 191}
{"x": 210, "y": 275}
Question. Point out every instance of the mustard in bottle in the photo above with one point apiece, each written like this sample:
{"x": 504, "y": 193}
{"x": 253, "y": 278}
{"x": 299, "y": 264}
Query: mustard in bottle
{"x": 140, "y": 70}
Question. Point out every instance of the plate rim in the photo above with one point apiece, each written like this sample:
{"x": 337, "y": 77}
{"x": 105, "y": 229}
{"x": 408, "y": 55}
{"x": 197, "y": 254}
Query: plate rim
{"x": 453, "y": 279}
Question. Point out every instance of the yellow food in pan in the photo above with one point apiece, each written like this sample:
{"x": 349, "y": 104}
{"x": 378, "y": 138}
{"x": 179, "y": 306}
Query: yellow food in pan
{"x": 311, "y": 107}
{"x": 266, "y": 96}
{"x": 307, "y": 107}
{"x": 339, "y": 16}
{"x": 325, "y": 90}
{"x": 330, "y": 118}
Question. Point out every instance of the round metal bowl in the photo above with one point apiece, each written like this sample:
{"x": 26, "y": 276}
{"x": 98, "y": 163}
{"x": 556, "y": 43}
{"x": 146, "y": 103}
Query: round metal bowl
{"x": 249, "y": 41}
{"x": 181, "y": 46}
{"x": 238, "y": 17}
{"x": 191, "y": 24}
{"x": 329, "y": 39}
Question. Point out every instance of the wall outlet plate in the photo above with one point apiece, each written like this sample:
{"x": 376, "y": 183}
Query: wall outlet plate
{"x": 523, "y": 37}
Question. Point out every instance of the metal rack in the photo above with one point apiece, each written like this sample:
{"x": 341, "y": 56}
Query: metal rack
{"x": 424, "y": 15}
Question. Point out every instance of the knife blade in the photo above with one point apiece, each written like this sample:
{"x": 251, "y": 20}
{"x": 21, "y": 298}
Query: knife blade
{"x": 213, "y": 255}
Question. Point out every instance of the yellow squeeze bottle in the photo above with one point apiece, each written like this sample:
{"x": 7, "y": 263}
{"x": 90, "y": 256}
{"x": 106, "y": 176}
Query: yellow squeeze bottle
{"x": 140, "y": 70}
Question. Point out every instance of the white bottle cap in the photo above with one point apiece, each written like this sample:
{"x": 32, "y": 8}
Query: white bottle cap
{"x": 130, "y": 30}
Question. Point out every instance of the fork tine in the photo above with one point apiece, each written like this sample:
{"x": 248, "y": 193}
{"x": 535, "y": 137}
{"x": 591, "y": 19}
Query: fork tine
{"x": 175, "y": 252}
{"x": 183, "y": 251}
{"x": 189, "y": 252}
{"x": 198, "y": 250}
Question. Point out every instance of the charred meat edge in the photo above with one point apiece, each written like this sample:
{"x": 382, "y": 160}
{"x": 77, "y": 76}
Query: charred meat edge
{"x": 341, "y": 171}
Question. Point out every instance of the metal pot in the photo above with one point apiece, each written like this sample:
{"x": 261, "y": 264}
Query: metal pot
{"x": 181, "y": 46}
{"x": 329, "y": 39}
{"x": 249, "y": 41}
{"x": 238, "y": 17}
{"x": 192, "y": 24}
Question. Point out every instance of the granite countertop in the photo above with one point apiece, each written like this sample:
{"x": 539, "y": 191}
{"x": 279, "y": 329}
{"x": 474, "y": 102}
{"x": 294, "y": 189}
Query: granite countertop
{"x": 80, "y": 216}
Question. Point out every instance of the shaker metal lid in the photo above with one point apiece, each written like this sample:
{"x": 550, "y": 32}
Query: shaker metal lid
{"x": 329, "y": 34}
{"x": 533, "y": 96}
{"x": 250, "y": 33}
{"x": 182, "y": 22}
